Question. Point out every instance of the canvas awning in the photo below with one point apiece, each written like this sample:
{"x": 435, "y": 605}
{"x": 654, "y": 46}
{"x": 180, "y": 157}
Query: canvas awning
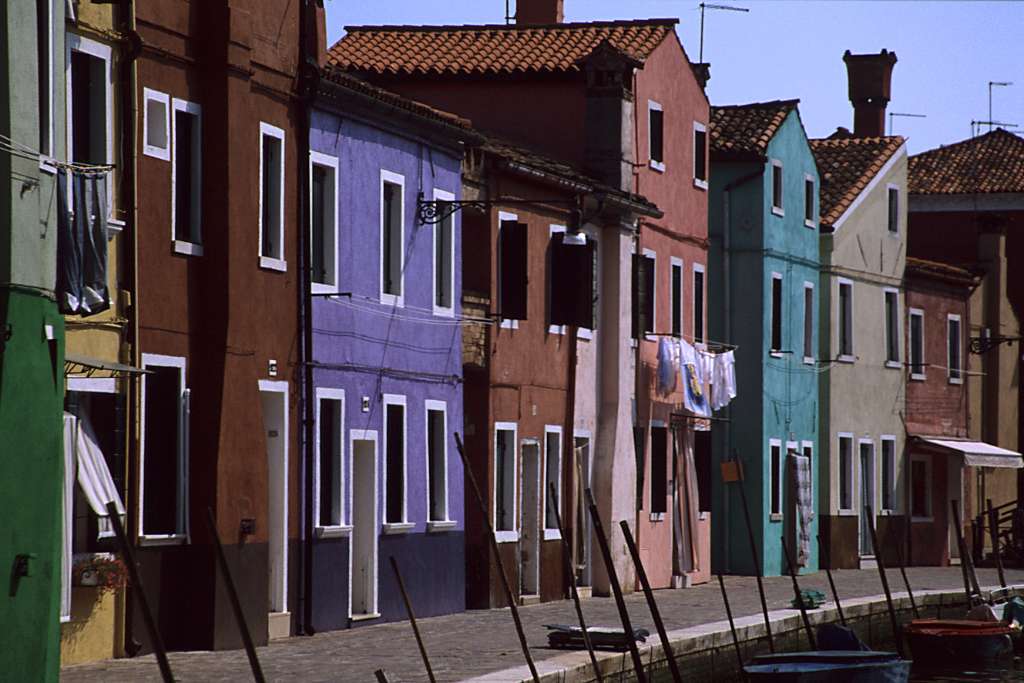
{"x": 976, "y": 453}
{"x": 77, "y": 364}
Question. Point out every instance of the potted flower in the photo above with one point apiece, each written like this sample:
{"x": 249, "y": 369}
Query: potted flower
{"x": 102, "y": 571}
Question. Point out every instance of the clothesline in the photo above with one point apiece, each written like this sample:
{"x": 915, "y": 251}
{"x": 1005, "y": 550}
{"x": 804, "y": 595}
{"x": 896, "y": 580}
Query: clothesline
{"x": 692, "y": 339}
{"x": 18, "y": 149}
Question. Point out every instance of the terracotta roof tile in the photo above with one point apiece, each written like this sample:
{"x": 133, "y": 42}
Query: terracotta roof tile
{"x": 744, "y": 130}
{"x": 490, "y": 49}
{"x": 989, "y": 163}
{"x": 936, "y": 269}
{"x": 846, "y": 166}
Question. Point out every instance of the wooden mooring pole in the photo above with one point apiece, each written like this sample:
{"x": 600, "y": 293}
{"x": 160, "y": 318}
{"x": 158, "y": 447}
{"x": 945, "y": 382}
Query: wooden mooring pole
{"x": 613, "y": 579}
{"x": 649, "y": 594}
{"x": 971, "y": 587}
{"x": 993, "y": 530}
{"x": 791, "y": 565}
{"x": 567, "y": 554}
{"x": 412, "y": 619}
{"x": 885, "y": 582}
{"x": 758, "y": 573}
{"x": 823, "y": 555}
{"x": 497, "y": 556}
{"x": 732, "y": 624}
{"x": 906, "y": 581}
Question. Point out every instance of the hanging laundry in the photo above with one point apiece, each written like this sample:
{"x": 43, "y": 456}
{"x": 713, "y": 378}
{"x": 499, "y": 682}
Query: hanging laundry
{"x": 668, "y": 365}
{"x": 800, "y": 467}
{"x": 82, "y": 242}
{"x": 695, "y": 397}
{"x": 723, "y": 380}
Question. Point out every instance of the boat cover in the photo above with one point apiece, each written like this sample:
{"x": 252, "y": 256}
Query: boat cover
{"x": 955, "y": 627}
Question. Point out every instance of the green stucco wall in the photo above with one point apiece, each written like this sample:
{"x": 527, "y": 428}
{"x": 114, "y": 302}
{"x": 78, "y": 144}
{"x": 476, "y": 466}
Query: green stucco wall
{"x": 777, "y": 394}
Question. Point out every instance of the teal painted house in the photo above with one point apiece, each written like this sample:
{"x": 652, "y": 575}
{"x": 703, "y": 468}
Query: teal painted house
{"x": 763, "y": 255}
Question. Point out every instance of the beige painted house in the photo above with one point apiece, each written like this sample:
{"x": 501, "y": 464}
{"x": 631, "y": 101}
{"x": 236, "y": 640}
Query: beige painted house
{"x": 861, "y": 365}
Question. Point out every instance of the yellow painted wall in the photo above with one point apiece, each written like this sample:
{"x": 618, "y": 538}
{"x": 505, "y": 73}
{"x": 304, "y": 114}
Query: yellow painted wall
{"x": 95, "y": 630}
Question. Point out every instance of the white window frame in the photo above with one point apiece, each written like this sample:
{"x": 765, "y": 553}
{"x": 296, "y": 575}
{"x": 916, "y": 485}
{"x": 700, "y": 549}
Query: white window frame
{"x": 892, "y": 363}
{"x": 186, "y": 247}
{"x": 149, "y": 149}
{"x": 182, "y": 535}
{"x": 804, "y": 445}
{"x": 851, "y": 474}
{"x": 774, "y": 516}
{"x": 331, "y": 162}
{"x": 653, "y": 255}
{"x": 884, "y": 439}
{"x": 442, "y": 407}
{"x": 395, "y": 179}
{"x": 918, "y": 313}
{"x": 46, "y": 156}
{"x": 658, "y": 166}
{"x": 405, "y": 525}
{"x": 809, "y": 360}
{"x": 776, "y": 353}
{"x": 778, "y": 210}
{"x": 76, "y": 43}
{"x": 506, "y": 536}
{"x": 930, "y": 504}
{"x": 677, "y": 306}
{"x": 444, "y": 311}
{"x": 551, "y": 533}
{"x": 505, "y": 323}
{"x": 899, "y": 202}
{"x": 699, "y": 127}
{"x": 553, "y": 230}
{"x": 811, "y": 222}
{"x": 699, "y": 268}
{"x": 950, "y": 317}
{"x": 840, "y": 356}
{"x": 279, "y": 263}
{"x": 344, "y": 527}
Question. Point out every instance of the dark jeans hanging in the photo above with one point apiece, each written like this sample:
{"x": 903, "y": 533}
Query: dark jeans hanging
{"x": 82, "y": 242}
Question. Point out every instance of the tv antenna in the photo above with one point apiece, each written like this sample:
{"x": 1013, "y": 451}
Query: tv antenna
{"x": 704, "y": 6}
{"x": 997, "y": 84}
{"x": 976, "y": 126}
{"x": 912, "y": 116}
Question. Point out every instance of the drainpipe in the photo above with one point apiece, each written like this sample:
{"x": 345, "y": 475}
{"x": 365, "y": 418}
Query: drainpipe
{"x": 308, "y": 73}
{"x": 727, "y": 296}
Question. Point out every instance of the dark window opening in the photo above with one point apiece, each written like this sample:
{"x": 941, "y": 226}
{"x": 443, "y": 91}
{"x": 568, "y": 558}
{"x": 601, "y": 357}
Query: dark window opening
{"x": 892, "y": 334}
{"x": 392, "y": 239}
{"x": 657, "y": 119}
{"x": 659, "y": 469}
{"x": 845, "y": 473}
{"x": 916, "y": 344}
{"x": 698, "y": 306}
{"x": 700, "y": 164}
{"x": 888, "y": 470}
{"x": 919, "y": 489}
{"x": 894, "y": 210}
{"x": 777, "y": 187}
{"x": 512, "y": 271}
{"x": 161, "y": 474}
{"x": 776, "y": 493}
{"x": 443, "y": 258}
{"x": 702, "y": 463}
{"x": 271, "y": 199}
{"x": 808, "y": 322}
{"x": 505, "y": 473}
{"x": 437, "y": 467}
{"x": 186, "y": 177}
{"x": 88, "y": 109}
{"x": 330, "y": 462}
{"x": 677, "y": 299}
{"x": 776, "y": 314}
{"x": 954, "y": 349}
{"x": 639, "y": 443}
{"x": 845, "y": 319}
{"x": 395, "y": 429}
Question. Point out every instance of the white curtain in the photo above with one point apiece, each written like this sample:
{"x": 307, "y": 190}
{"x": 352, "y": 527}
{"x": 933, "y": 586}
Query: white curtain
{"x": 94, "y": 476}
{"x": 70, "y": 430}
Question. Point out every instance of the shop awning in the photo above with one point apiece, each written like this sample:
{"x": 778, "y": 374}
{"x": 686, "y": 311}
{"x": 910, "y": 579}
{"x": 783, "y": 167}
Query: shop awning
{"x": 976, "y": 453}
{"x": 76, "y": 364}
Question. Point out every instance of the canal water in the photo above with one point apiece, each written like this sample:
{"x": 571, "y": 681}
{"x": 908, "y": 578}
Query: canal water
{"x": 1005, "y": 670}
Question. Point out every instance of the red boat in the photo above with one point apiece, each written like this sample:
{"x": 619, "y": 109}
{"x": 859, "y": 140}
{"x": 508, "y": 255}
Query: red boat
{"x": 943, "y": 640}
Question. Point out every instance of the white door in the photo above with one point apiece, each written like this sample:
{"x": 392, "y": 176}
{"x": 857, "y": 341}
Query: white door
{"x": 274, "y": 401}
{"x": 529, "y": 544}
{"x": 364, "y": 527}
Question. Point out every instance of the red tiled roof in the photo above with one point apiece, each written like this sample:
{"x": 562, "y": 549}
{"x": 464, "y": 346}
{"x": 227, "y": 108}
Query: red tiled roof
{"x": 846, "y": 165}
{"x": 744, "y": 130}
{"x": 989, "y": 163}
{"x": 939, "y": 270}
{"x": 490, "y": 49}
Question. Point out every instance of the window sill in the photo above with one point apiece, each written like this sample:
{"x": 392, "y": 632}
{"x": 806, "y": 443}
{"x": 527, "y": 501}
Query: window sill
{"x": 808, "y": 360}
{"x": 584, "y": 333}
{"x": 775, "y": 354}
{"x": 809, "y": 224}
{"x": 552, "y": 535}
{"x": 777, "y": 211}
{"x": 922, "y": 520}
{"x": 893, "y": 364}
{"x": 317, "y": 288}
{"x": 187, "y": 248}
{"x": 507, "y": 324}
{"x": 657, "y": 517}
{"x": 365, "y": 617}
{"x": 917, "y": 377}
{"x": 846, "y": 359}
{"x": 956, "y": 380}
{"x": 115, "y": 225}
{"x": 169, "y": 539}
{"x": 397, "y": 527}
{"x": 886, "y": 512}
{"x": 634, "y": 342}
{"x": 556, "y": 329}
{"x": 658, "y": 166}
{"x": 775, "y": 517}
{"x": 506, "y": 536}
{"x": 847, "y": 513}
{"x": 392, "y": 300}
{"x": 273, "y": 263}
{"x": 162, "y": 153}
{"x": 442, "y": 525}
{"x": 700, "y": 184}
{"x": 333, "y": 531}
{"x": 443, "y": 312}
{"x": 46, "y": 166}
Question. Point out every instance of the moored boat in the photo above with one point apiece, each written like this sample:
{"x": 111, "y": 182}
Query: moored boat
{"x": 946, "y": 640}
{"x": 831, "y": 666}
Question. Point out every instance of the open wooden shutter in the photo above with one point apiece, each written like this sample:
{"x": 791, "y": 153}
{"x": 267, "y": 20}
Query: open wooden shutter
{"x": 572, "y": 270}
{"x": 513, "y": 271}
{"x": 643, "y": 295}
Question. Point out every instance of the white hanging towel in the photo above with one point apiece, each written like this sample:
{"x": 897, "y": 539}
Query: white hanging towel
{"x": 723, "y": 380}
{"x": 94, "y": 476}
{"x": 801, "y": 469}
{"x": 695, "y": 395}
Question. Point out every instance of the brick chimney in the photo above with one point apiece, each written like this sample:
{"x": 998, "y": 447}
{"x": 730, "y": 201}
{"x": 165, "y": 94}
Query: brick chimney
{"x": 870, "y": 79}
{"x": 539, "y": 12}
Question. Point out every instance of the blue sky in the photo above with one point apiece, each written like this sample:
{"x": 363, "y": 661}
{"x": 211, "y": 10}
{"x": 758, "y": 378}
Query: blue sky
{"x": 947, "y": 51}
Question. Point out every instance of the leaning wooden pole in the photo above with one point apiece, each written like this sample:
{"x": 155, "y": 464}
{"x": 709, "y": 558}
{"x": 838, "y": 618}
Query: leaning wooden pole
{"x": 140, "y": 593}
{"x": 885, "y": 582}
{"x": 649, "y": 594}
{"x": 791, "y": 565}
{"x": 824, "y": 555}
{"x": 993, "y": 530}
{"x": 236, "y": 604}
{"x": 497, "y": 557}
{"x": 732, "y": 624}
{"x": 412, "y": 619}
{"x": 613, "y": 579}
{"x": 567, "y": 556}
{"x": 758, "y": 573}
{"x": 966, "y": 563}
{"x": 906, "y": 581}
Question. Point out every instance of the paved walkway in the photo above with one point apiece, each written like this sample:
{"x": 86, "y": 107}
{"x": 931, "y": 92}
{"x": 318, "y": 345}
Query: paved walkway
{"x": 477, "y": 642}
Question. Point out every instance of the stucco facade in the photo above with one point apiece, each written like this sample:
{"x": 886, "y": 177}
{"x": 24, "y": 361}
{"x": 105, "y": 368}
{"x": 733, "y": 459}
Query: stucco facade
{"x": 765, "y": 264}
{"x": 862, "y": 383}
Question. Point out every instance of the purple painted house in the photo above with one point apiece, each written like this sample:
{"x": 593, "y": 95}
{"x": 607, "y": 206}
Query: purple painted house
{"x": 386, "y": 357}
